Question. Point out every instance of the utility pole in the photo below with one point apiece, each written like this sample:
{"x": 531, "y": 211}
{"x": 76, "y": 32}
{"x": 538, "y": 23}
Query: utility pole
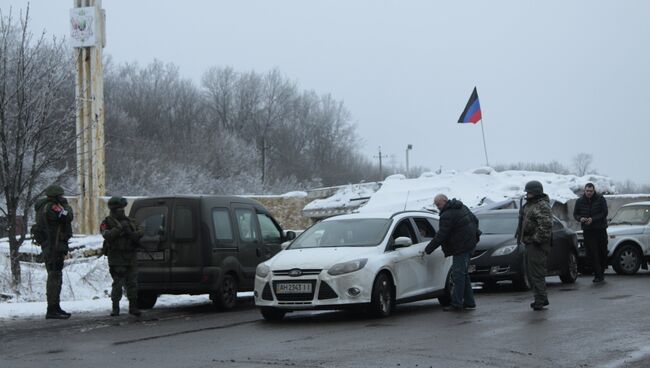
{"x": 408, "y": 148}
{"x": 380, "y": 157}
{"x": 88, "y": 37}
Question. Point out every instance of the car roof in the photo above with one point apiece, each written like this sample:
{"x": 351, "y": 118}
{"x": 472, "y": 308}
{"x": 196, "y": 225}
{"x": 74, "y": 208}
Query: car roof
{"x": 381, "y": 215}
{"x": 498, "y": 212}
{"x": 644, "y": 203}
{"x": 211, "y": 199}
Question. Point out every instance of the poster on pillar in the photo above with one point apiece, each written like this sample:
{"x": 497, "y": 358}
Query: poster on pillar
{"x": 83, "y": 27}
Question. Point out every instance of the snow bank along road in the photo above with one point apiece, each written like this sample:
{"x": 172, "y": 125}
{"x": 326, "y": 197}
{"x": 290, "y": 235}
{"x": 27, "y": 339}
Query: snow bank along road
{"x": 586, "y": 326}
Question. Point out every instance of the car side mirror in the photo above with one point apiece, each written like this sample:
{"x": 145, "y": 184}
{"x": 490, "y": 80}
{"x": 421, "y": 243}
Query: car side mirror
{"x": 289, "y": 235}
{"x": 403, "y": 242}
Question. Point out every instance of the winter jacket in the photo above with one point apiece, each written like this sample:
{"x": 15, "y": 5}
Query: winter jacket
{"x": 121, "y": 240}
{"x": 57, "y": 218}
{"x": 536, "y": 222}
{"x": 594, "y": 207}
{"x": 458, "y": 231}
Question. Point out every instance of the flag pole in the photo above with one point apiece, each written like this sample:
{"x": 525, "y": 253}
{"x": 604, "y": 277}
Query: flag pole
{"x": 487, "y": 163}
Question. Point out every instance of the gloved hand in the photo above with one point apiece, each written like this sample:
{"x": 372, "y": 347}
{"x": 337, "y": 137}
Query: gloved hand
{"x": 430, "y": 248}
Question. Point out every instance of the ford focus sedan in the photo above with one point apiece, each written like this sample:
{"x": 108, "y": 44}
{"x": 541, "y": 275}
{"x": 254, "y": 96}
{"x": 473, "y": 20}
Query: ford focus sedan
{"x": 373, "y": 261}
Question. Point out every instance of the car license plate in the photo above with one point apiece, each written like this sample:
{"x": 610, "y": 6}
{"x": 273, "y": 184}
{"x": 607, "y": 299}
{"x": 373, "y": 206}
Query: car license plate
{"x": 471, "y": 268}
{"x": 293, "y": 288}
{"x": 151, "y": 256}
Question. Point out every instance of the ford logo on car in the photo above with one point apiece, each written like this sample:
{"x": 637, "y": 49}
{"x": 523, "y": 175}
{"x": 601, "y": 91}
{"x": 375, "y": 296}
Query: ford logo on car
{"x": 295, "y": 272}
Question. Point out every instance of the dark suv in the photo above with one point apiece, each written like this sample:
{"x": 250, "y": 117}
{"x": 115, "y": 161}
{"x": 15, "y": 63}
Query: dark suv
{"x": 203, "y": 245}
{"x": 498, "y": 257}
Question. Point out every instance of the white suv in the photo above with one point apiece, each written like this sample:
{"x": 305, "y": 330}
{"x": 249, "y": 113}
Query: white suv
{"x": 629, "y": 238}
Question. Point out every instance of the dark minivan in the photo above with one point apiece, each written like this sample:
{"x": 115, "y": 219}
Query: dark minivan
{"x": 203, "y": 245}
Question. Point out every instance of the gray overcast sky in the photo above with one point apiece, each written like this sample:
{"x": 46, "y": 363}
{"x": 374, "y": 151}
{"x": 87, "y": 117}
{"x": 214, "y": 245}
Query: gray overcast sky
{"x": 555, "y": 78}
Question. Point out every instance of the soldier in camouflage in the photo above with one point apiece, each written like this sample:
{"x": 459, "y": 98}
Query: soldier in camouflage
{"x": 56, "y": 215}
{"x": 122, "y": 237}
{"x": 535, "y": 231}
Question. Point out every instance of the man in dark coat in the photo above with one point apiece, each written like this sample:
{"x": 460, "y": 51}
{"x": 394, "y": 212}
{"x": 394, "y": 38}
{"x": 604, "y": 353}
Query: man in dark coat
{"x": 535, "y": 232}
{"x": 122, "y": 237}
{"x": 591, "y": 211}
{"x": 55, "y": 215}
{"x": 458, "y": 234}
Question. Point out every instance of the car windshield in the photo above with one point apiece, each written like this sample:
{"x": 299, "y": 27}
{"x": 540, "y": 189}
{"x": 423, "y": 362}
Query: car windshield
{"x": 497, "y": 224}
{"x": 631, "y": 215}
{"x": 343, "y": 233}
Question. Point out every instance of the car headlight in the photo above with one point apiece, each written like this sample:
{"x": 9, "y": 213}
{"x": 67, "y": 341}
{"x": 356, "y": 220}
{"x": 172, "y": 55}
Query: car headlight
{"x": 505, "y": 250}
{"x": 347, "y": 267}
{"x": 262, "y": 270}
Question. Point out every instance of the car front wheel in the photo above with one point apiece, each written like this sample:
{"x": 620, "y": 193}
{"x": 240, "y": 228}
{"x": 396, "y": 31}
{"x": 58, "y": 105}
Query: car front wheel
{"x": 569, "y": 273}
{"x": 520, "y": 282}
{"x": 627, "y": 259}
{"x": 146, "y": 299}
{"x": 382, "y": 302}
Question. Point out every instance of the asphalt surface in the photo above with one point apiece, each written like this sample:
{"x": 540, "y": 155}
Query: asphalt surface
{"x": 586, "y": 325}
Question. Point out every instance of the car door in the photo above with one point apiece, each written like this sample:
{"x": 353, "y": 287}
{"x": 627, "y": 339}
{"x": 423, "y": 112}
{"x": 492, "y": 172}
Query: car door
{"x": 271, "y": 235}
{"x": 435, "y": 262}
{"x": 249, "y": 241}
{"x": 186, "y": 252}
{"x": 154, "y": 260}
{"x": 408, "y": 263}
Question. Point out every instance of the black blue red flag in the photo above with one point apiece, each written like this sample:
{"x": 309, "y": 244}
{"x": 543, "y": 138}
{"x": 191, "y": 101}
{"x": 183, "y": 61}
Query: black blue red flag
{"x": 472, "y": 112}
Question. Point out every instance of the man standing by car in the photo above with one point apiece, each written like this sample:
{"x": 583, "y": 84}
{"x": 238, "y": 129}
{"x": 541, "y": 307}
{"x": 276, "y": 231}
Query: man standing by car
{"x": 56, "y": 216}
{"x": 458, "y": 234}
{"x": 591, "y": 211}
{"x": 535, "y": 231}
{"x": 121, "y": 236}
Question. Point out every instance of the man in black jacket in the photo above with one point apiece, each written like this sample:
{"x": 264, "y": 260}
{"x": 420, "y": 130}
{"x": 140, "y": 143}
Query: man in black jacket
{"x": 591, "y": 211}
{"x": 458, "y": 234}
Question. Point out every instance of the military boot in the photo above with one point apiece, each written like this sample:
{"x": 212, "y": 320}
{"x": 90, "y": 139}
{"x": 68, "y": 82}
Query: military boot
{"x": 62, "y": 312}
{"x": 53, "y": 313}
{"x": 116, "y": 309}
{"x": 133, "y": 309}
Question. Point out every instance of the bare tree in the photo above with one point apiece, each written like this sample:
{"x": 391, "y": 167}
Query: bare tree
{"x": 36, "y": 121}
{"x": 582, "y": 163}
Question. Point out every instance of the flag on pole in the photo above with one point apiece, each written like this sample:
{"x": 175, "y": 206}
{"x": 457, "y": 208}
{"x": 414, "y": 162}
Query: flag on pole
{"x": 472, "y": 112}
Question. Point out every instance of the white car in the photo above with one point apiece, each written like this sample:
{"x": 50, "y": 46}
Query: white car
{"x": 629, "y": 238}
{"x": 368, "y": 260}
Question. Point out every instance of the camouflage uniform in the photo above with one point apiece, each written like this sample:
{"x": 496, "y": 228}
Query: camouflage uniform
{"x": 122, "y": 237}
{"x": 535, "y": 231}
{"x": 56, "y": 214}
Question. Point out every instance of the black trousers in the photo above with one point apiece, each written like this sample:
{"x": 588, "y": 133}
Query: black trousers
{"x": 596, "y": 247}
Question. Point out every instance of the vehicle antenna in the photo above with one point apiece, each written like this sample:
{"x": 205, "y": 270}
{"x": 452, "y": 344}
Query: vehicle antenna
{"x": 407, "y": 199}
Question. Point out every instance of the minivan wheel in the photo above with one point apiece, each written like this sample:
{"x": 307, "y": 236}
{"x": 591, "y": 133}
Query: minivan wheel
{"x": 382, "y": 302}
{"x": 272, "y": 314}
{"x": 627, "y": 259}
{"x": 569, "y": 274}
{"x": 226, "y": 297}
{"x": 146, "y": 299}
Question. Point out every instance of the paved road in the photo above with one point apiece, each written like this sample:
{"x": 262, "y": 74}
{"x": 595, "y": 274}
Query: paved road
{"x": 585, "y": 326}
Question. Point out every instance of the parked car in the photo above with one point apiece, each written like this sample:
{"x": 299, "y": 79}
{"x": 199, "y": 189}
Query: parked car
{"x": 203, "y": 245}
{"x": 628, "y": 247}
{"x": 498, "y": 257}
{"x": 374, "y": 261}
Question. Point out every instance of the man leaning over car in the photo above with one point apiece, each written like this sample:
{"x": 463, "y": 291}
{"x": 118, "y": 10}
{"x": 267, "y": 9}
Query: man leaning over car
{"x": 458, "y": 234}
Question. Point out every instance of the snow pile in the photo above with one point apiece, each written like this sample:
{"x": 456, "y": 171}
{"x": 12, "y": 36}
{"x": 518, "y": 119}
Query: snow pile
{"x": 475, "y": 187}
{"x": 343, "y": 197}
{"x": 78, "y": 245}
